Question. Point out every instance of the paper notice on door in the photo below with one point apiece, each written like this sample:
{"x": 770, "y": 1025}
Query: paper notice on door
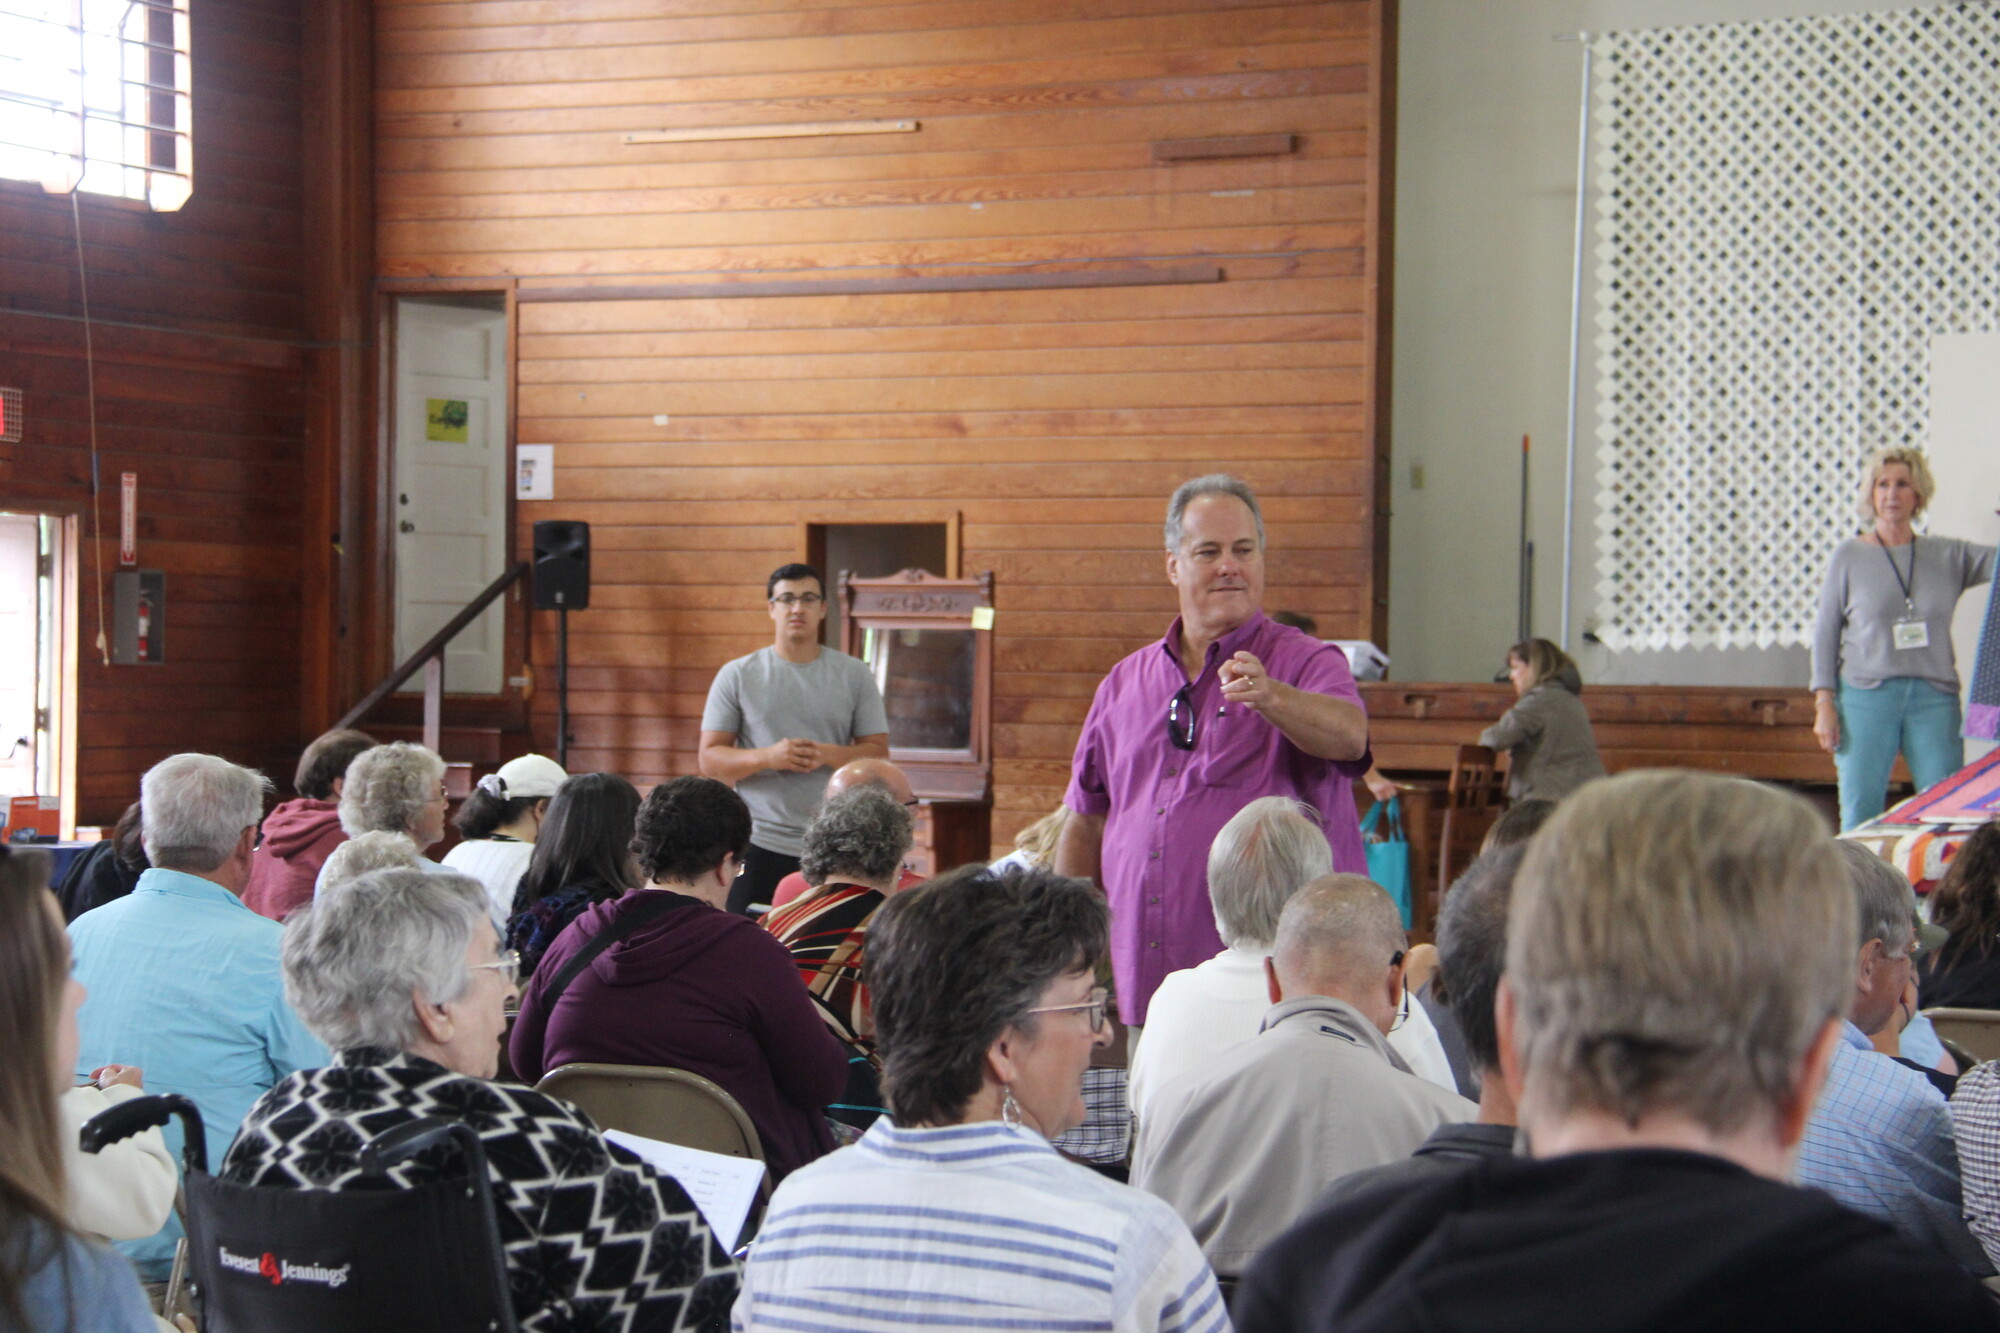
{"x": 723, "y": 1187}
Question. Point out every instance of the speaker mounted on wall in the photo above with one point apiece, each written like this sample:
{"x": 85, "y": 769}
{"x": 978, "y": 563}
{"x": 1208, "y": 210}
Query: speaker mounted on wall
{"x": 562, "y": 565}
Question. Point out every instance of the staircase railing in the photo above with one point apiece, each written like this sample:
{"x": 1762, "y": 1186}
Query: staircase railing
{"x": 430, "y": 660}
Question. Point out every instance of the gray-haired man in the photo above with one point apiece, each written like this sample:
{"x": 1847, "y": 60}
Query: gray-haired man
{"x": 184, "y": 980}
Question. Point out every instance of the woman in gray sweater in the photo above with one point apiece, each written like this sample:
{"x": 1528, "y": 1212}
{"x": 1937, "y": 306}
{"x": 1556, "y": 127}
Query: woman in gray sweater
{"x": 1883, "y": 677}
{"x": 1548, "y": 730}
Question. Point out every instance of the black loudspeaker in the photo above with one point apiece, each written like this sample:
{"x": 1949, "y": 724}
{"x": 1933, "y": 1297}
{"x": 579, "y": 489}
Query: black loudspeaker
{"x": 562, "y": 565}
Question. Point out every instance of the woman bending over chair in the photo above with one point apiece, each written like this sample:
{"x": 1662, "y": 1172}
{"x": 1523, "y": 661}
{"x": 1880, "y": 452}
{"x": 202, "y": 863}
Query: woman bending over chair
{"x": 1547, "y": 729}
{"x": 953, "y": 1210}
{"x": 400, "y": 973}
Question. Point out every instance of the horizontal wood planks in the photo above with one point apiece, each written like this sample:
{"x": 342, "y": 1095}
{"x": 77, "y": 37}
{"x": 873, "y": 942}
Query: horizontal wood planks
{"x": 1055, "y": 422}
{"x": 199, "y": 390}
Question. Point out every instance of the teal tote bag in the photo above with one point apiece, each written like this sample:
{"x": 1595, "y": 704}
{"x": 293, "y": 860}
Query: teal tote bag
{"x": 1389, "y": 852}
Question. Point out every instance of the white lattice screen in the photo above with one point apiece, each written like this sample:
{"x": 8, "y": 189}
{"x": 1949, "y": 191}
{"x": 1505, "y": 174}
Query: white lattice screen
{"x": 1786, "y": 212}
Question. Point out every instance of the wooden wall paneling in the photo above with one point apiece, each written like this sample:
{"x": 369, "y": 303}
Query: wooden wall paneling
{"x": 203, "y": 359}
{"x": 1054, "y": 422}
{"x": 337, "y": 135}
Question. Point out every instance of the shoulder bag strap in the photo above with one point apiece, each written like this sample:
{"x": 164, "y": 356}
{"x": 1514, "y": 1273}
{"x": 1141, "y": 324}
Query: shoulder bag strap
{"x": 646, "y": 912}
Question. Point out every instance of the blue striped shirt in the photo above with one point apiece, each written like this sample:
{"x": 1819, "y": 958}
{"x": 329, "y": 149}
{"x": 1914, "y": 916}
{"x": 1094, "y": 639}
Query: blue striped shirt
{"x": 972, "y": 1227}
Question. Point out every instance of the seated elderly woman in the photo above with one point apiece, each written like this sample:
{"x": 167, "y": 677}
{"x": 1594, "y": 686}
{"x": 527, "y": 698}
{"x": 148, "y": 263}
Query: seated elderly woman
{"x": 401, "y": 973}
{"x": 367, "y": 854}
{"x": 688, "y": 985}
{"x": 394, "y": 788}
{"x": 987, "y": 1009}
{"x": 852, "y": 858}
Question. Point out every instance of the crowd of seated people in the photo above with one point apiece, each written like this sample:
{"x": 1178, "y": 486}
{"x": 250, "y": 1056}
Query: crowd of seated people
{"x": 1659, "y": 995}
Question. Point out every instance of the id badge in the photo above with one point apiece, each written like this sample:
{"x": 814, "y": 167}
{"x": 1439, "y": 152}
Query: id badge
{"x": 1912, "y": 634}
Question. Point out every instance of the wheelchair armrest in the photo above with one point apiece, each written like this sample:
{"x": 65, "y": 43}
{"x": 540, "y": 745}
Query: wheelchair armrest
{"x": 414, "y": 1136}
{"x": 121, "y": 1122}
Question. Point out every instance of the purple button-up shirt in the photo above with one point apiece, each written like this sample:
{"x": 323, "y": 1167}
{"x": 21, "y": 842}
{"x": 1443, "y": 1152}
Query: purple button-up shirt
{"x": 1163, "y": 806}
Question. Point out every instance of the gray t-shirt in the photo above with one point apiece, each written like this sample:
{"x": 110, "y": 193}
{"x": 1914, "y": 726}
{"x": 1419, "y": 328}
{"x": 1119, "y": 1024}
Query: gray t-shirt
{"x": 1854, "y": 639}
{"x": 762, "y": 699}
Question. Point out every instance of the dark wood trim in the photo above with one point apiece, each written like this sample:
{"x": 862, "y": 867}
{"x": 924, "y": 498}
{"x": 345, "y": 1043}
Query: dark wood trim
{"x": 337, "y": 144}
{"x": 954, "y": 282}
{"x": 1237, "y": 145}
{"x": 406, "y": 286}
{"x": 1378, "y": 284}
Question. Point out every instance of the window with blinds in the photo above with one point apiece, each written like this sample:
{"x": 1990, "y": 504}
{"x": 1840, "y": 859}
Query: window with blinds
{"x": 94, "y": 96}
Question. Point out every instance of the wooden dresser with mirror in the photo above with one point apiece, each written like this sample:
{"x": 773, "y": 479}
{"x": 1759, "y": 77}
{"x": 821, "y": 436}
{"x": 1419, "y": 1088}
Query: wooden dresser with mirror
{"x": 928, "y": 641}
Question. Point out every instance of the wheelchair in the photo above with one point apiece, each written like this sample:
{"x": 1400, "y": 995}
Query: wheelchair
{"x": 421, "y": 1259}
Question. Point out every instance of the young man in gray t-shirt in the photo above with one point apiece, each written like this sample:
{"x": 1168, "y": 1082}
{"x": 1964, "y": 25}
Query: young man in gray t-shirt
{"x": 779, "y": 721}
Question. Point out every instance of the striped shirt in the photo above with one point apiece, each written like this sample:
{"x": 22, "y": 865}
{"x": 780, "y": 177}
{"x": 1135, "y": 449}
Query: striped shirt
{"x": 971, "y": 1227}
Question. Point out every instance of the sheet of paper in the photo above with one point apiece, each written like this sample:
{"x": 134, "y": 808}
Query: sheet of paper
{"x": 723, "y": 1187}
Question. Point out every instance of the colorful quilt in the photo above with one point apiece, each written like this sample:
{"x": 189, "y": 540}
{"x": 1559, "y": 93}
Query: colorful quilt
{"x": 1970, "y": 796}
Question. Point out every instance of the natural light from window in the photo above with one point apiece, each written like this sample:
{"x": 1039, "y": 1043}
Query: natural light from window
{"x": 94, "y": 95}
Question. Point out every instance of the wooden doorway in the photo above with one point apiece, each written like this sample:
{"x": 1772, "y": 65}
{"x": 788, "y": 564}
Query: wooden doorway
{"x": 38, "y": 660}
{"x": 876, "y": 550}
{"x": 449, "y": 478}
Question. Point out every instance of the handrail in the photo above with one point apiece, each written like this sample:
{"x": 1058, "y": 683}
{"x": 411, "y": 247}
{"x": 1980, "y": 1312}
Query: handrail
{"x": 432, "y": 653}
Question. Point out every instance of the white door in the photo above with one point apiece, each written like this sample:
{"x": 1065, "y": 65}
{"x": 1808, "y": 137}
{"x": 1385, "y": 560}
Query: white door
{"x": 20, "y": 650}
{"x": 451, "y": 483}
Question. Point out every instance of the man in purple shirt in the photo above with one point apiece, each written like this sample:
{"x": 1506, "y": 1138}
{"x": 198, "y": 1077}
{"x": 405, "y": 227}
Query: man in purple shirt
{"x": 1228, "y": 707}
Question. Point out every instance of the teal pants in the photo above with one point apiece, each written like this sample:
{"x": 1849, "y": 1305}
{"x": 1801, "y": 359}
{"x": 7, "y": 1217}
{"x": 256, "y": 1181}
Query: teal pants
{"x": 1903, "y": 715}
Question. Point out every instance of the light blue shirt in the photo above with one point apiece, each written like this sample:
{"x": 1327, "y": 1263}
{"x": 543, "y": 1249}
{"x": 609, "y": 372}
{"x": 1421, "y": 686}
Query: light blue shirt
{"x": 1880, "y": 1141}
{"x": 184, "y": 982}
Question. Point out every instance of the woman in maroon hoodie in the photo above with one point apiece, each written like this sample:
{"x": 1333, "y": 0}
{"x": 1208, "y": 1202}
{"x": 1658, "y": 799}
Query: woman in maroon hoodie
{"x": 691, "y": 986}
{"x": 298, "y": 836}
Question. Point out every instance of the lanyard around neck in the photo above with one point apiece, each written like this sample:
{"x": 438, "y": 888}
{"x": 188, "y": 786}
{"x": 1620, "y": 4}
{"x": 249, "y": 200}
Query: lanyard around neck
{"x": 1908, "y": 585}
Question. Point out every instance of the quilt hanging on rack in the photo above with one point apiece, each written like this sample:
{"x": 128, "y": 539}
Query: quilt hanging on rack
{"x": 1785, "y": 213}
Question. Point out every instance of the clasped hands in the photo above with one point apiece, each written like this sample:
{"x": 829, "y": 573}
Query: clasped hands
{"x": 793, "y": 755}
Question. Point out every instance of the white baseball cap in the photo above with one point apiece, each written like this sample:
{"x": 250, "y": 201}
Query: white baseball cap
{"x": 531, "y": 775}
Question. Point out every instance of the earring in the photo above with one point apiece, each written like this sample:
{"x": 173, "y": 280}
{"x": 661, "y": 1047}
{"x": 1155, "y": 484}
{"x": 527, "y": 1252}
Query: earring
{"x": 1010, "y": 1110}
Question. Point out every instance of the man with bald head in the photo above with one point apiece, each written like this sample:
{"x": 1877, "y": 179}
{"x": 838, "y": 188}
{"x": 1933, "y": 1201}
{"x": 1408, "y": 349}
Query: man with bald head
{"x": 1242, "y": 1146}
{"x": 860, "y": 773}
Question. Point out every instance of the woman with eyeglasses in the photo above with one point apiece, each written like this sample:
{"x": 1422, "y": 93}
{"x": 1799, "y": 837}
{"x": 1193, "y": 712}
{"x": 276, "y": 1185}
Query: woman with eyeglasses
{"x": 395, "y": 788}
{"x": 954, "y": 1210}
{"x": 666, "y": 977}
{"x": 401, "y": 973}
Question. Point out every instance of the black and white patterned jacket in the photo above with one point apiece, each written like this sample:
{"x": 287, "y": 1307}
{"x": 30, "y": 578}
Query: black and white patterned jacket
{"x": 596, "y": 1241}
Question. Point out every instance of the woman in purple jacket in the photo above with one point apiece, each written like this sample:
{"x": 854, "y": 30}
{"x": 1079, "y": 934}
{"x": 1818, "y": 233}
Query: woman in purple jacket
{"x": 691, "y": 986}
